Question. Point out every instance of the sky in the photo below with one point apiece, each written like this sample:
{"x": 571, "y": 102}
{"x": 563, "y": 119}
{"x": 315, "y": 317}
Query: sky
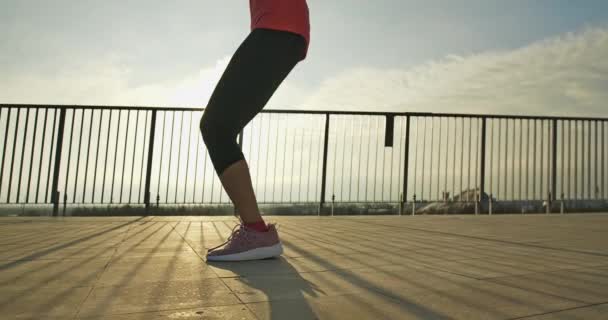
{"x": 543, "y": 57}
{"x": 484, "y": 56}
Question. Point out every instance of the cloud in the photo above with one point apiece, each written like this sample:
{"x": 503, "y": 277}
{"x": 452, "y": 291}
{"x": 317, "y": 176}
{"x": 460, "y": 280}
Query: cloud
{"x": 565, "y": 75}
{"x": 108, "y": 82}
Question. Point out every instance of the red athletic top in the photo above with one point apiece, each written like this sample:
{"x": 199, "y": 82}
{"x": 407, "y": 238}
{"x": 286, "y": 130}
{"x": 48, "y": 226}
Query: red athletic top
{"x": 284, "y": 15}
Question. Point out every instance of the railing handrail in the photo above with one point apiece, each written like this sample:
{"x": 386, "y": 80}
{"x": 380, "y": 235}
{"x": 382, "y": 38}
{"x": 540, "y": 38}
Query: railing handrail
{"x": 320, "y": 112}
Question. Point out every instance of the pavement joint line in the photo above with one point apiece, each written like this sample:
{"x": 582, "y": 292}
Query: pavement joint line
{"x": 79, "y": 307}
{"x": 561, "y": 310}
{"x": 523, "y": 244}
{"x": 165, "y": 310}
{"x": 242, "y": 303}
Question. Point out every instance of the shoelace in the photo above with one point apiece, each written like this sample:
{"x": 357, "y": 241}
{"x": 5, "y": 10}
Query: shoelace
{"x": 234, "y": 233}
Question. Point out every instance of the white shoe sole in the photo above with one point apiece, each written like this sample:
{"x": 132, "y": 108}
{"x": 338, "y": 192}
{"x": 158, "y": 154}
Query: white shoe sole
{"x": 253, "y": 254}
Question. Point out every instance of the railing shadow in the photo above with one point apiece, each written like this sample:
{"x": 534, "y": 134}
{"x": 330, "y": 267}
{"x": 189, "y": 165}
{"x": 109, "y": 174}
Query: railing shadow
{"x": 299, "y": 287}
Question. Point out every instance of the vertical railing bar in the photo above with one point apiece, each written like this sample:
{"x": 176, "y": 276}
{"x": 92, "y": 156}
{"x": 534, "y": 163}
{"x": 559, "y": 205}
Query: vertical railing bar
{"x": 58, "y": 147}
{"x": 432, "y": 151}
{"x": 576, "y": 154}
{"x": 438, "y": 191}
{"x": 569, "y": 159}
{"x": 462, "y": 134}
{"x": 406, "y": 159}
{"x": 284, "y": 158}
{"x": 293, "y": 164}
{"x": 170, "y": 156}
{"x": 491, "y": 162}
{"x": 376, "y": 145}
{"x": 521, "y": 163}
{"x": 399, "y": 186}
{"x": 383, "y": 152}
{"x": 477, "y": 165}
{"x": 528, "y": 135}
{"x": 27, "y": 193}
{"x": 188, "y": 159}
{"x": 588, "y": 154}
{"x": 580, "y": 171}
{"x": 352, "y": 155}
{"x": 482, "y": 159}
{"x": 324, "y": 172}
{"x": 276, "y": 157}
{"x": 342, "y": 167}
{"x": 584, "y": 157}
{"x": 554, "y": 162}
{"x": 257, "y": 162}
{"x": 124, "y": 158}
{"x": 534, "y": 160}
{"x": 160, "y": 158}
{"x": 78, "y": 156}
{"x": 27, "y": 118}
{"x": 447, "y": 157}
{"x": 595, "y": 169}
{"x": 3, "y": 149}
{"x": 300, "y": 178}
{"x": 46, "y": 113}
{"x": 198, "y": 145}
{"x": 542, "y": 159}
{"x": 143, "y": 150}
{"x": 97, "y": 156}
{"x": 179, "y": 153}
{"x": 310, "y": 117}
{"x": 115, "y": 156}
{"x": 86, "y": 168}
{"x": 469, "y": 177}
{"x": 103, "y": 184}
{"x": 8, "y": 121}
{"x": 423, "y": 158}
{"x": 513, "y": 160}
{"x": 454, "y": 159}
{"x": 369, "y": 146}
{"x": 320, "y": 157}
{"x": 48, "y": 174}
{"x": 506, "y": 163}
{"x": 67, "y": 172}
{"x": 361, "y": 122}
{"x": 134, "y": 152}
{"x": 265, "y": 184}
{"x": 603, "y": 160}
{"x": 392, "y": 160}
{"x": 205, "y": 156}
{"x": 335, "y": 157}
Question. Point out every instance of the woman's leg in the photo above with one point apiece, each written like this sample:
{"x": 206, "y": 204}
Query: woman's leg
{"x": 255, "y": 71}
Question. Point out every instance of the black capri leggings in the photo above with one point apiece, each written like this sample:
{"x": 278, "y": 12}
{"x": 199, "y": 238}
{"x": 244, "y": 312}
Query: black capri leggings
{"x": 257, "y": 68}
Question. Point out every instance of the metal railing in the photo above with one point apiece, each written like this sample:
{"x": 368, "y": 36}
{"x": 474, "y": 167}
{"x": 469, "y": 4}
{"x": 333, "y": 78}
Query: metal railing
{"x": 155, "y": 156}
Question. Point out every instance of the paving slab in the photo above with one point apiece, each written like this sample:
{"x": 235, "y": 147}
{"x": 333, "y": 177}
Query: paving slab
{"x": 343, "y": 267}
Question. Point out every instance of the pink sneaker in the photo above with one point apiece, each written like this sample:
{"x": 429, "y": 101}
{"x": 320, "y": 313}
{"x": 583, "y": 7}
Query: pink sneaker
{"x": 247, "y": 244}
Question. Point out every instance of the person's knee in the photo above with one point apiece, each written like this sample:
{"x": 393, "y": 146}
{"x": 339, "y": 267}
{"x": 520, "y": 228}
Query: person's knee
{"x": 215, "y": 135}
{"x": 207, "y": 130}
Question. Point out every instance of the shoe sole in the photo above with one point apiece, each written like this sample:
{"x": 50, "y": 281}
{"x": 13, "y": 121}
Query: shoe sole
{"x": 253, "y": 254}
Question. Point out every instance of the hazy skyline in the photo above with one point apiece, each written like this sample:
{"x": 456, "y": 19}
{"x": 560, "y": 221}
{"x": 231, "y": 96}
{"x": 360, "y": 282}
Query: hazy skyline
{"x": 544, "y": 57}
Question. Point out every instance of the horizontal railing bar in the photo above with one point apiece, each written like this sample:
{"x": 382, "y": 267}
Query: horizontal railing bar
{"x": 319, "y": 112}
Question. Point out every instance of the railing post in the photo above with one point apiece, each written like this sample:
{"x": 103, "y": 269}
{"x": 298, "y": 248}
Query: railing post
{"x": 490, "y": 205}
{"x": 149, "y": 164}
{"x": 333, "y": 203}
{"x": 482, "y": 171}
{"x": 554, "y": 162}
{"x": 406, "y": 161}
{"x": 414, "y": 206}
{"x": 324, "y": 173}
{"x": 58, "y": 147}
